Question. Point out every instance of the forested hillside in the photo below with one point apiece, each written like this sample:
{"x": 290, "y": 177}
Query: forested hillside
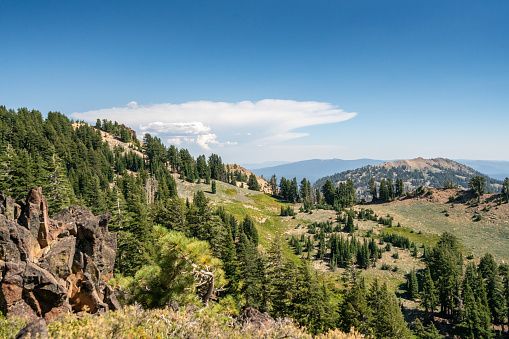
{"x": 414, "y": 173}
{"x": 314, "y": 256}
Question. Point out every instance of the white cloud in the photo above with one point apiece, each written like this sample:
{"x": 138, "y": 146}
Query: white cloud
{"x": 174, "y": 141}
{"x": 193, "y": 127}
{"x": 209, "y": 124}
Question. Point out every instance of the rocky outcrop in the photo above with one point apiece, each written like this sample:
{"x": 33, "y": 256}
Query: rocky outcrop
{"x": 53, "y": 266}
{"x": 257, "y": 318}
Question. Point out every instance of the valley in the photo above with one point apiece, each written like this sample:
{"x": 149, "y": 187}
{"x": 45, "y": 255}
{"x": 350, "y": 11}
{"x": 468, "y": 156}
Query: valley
{"x": 195, "y": 233}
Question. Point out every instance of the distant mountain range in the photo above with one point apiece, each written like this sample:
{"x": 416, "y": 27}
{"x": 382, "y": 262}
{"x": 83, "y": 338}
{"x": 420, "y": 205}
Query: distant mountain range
{"x": 312, "y": 170}
{"x": 315, "y": 169}
{"x": 495, "y": 169}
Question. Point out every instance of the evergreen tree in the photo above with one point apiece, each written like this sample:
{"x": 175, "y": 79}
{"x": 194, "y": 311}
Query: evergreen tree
{"x": 273, "y": 184}
{"x": 478, "y": 185}
{"x": 426, "y": 332}
{"x": 489, "y": 271}
{"x": 384, "y": 191}
{"x": 179, "y": 266}
{"x": 445, "y": 263}
{"x": 349, "y": 227}
{"x": 329, "y": 193}
{"x": 505, "y": 190}
{"x": 400, "y": 189}
{"x": 372, "y": 189}
{"x": 390, "y": 188}
{"x": 249, "y": 229}
{"x": 310, "y": 302}
{"x": 412, "y": 285}
{"x": 252, "y": 183}
{"x": 354, "y": 310}
{"x": 387, "y": 320}
{"x": 429, "y": 298}
{"x": 253, "y": 273}
{"x": 476, "y": 315}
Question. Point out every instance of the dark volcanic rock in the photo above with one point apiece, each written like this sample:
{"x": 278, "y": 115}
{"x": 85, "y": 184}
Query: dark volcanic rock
{"x": 93, "y": 237}
{"x": 58, "y": 260}
{"x": 34, "y": 216}
{"x": 16, "y": 242}
{"x": 48, "y": 265}
{"x": 8, "y": 207}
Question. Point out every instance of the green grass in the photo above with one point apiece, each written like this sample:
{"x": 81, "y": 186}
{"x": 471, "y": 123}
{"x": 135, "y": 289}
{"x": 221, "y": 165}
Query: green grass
{"x": 425, "y": 239}
{"x": 230, "y": 191}
{"x": 478, "y": 237}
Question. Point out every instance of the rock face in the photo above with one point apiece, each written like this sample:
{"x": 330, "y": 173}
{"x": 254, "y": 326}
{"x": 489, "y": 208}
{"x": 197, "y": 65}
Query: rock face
{"x": 53, "y": 266}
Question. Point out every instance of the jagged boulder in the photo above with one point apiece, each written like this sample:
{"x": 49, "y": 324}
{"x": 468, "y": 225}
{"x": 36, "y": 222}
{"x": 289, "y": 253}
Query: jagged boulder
{"x": 8, "y": 207}
{"x": 12, "y": 302}
{"x": 257, "y": 318}
{"x": 93, "y": 237}
{"x": 34, "y": 216}
{"x": 16, "y": 242}
{"x": 52, "y": 266}
{"x": 59, "y": 258}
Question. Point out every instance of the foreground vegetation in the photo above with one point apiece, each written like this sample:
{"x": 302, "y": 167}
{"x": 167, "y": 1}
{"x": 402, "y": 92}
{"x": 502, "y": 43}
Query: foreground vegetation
{"x": 186, "y": 322}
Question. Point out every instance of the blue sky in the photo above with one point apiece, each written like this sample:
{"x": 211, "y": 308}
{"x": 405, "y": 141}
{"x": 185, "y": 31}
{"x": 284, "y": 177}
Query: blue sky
{"x": 258, "y": 81}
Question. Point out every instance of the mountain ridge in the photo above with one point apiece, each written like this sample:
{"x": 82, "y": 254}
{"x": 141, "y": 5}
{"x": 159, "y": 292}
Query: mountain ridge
{"x": 414, "y": 172}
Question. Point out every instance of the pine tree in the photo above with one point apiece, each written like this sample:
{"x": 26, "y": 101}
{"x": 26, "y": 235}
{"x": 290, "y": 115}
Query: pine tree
{"x": 249, "y": 229}
{"x": 476, "y": 314}
{"x": 400, "y": 190}
{"x": 412, "y": 285}
{"x": 505, "y": 190}
{"x": 390, "y": 188}
{"x": 372, "y": 189}
{"x": 354, "y": 310}
{"x": 310, "y": 302}
{"x": 180, "y": 265}
{"x": 429, "y": 298}
{"x": 489, "y": 271}
{"x": 252, "y": 183}
{"x": 387, "y": 320}
{"x": 445, "y": 263}
{"x": 253, "y": 273}
{"x": 350, "y": 227}
{"x": 384, "y": 191}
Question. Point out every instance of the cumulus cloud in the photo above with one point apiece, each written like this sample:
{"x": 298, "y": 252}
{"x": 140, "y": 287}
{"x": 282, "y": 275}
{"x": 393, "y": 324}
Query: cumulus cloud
{"x": 222, "y": 124}
{"x": 193, "y": 127}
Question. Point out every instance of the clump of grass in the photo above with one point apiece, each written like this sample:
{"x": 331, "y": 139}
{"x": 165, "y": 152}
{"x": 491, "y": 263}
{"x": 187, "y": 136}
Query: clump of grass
{"x": 9, "y": 327}
{"x": 230, "y": 191}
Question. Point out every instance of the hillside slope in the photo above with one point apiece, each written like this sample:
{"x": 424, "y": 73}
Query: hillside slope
{"x": 415, "y": 172}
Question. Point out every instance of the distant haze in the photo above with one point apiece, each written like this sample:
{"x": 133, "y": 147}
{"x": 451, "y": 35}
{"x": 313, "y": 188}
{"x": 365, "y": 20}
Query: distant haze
{"x": 314, "y": 169}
